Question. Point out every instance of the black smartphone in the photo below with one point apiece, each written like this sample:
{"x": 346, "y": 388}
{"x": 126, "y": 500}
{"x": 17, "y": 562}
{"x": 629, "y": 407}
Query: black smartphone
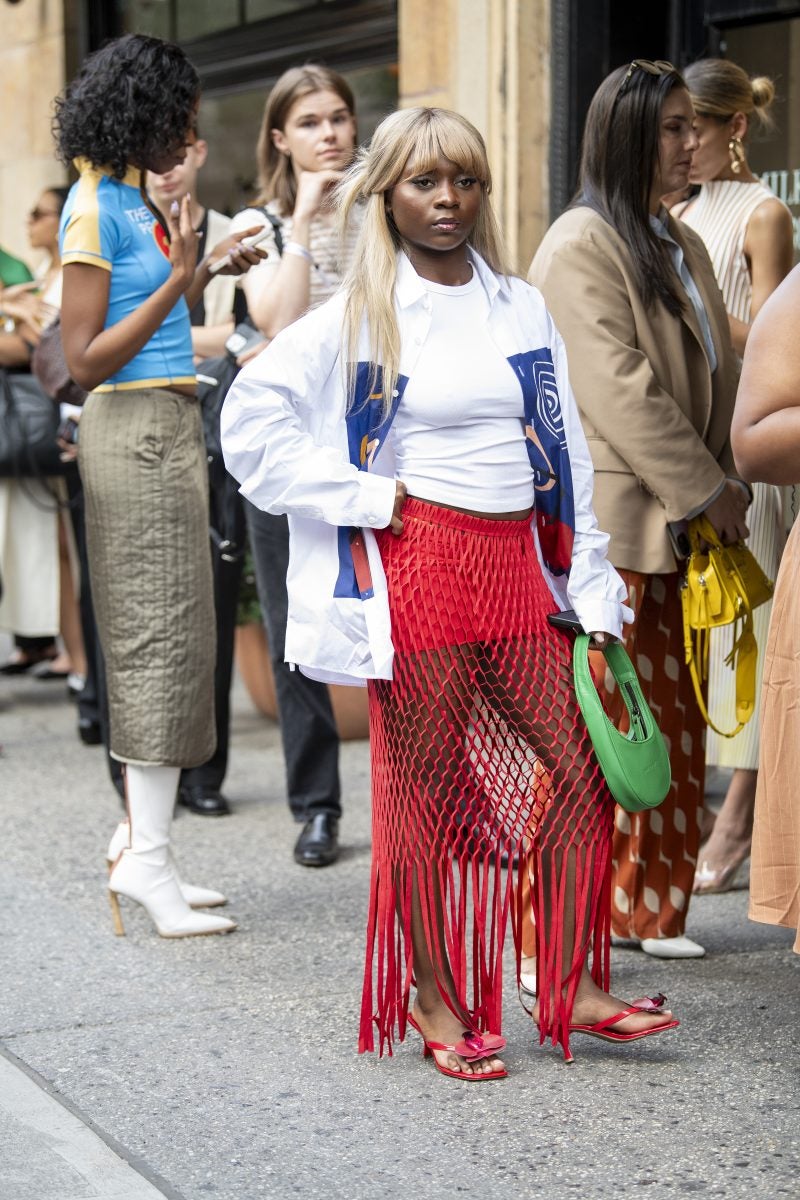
{"x": 244, "y": 337}
{"x": 68, "y": 431}
{"x": 567, "y": 620}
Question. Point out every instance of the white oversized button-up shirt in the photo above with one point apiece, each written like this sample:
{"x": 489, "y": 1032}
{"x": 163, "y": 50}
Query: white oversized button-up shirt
{"x": 284, "y": 437}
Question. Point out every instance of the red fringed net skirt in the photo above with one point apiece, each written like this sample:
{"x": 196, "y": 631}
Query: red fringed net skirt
{"x": 479, "y": 751}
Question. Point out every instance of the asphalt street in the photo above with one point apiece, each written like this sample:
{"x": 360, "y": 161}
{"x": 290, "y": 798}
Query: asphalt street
{"x": 226, "y": 1068}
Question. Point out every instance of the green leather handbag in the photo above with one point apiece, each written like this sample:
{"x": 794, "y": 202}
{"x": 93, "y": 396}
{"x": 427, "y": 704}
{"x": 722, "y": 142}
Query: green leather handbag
{"x": 636, "y": 763}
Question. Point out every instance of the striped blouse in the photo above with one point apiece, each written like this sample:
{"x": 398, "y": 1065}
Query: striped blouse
{"x": 720, "y": 214}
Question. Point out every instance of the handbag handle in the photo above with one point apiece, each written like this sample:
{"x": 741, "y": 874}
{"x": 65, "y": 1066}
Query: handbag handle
{"x": 636, "y": 764}
{"x": 701, "y": 530}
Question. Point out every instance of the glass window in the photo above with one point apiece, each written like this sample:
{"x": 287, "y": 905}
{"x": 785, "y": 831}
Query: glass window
{"x": 195, "y": 18}
{"x": 147, "y": 16}
{"x": 773, "y": 48}
{"x": 260, "y": 10}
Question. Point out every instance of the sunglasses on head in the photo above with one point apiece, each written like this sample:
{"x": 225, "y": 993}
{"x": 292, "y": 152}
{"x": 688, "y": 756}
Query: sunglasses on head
{"x": 659, "y": 67}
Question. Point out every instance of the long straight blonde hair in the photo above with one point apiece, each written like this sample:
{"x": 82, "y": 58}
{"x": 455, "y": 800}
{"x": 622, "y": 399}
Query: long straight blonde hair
{"x": 407, "y": 143}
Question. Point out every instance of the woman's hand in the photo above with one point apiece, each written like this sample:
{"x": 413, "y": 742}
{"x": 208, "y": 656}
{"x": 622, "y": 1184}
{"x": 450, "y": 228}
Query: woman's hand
{"x": 600, "y": 639}
{"x": 727, "y": 513}
{"x": 182, "y": 243}
{"x": 313, "y": 188}
{"x": 400, "y": 497}
{"x": 240, "y": 258}
{"x": 25, "y": 306}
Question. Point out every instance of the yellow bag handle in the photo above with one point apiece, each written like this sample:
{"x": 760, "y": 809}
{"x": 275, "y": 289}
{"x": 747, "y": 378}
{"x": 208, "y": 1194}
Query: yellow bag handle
{"x": 745, "y": 649}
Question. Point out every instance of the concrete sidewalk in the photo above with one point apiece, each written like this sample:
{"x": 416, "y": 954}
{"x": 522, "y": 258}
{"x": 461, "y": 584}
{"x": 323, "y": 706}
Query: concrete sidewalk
{"x": 51, "y": 1150}
{"x": 225, "y": 1068}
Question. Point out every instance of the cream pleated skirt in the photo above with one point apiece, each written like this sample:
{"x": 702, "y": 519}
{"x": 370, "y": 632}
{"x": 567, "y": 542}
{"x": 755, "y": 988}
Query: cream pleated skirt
{"x": 143, "y": 466}
{"x": 765, "y": 520}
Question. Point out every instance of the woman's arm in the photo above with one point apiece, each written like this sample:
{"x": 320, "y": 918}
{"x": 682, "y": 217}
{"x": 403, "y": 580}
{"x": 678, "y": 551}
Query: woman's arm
{"x": 266, "y": 441}
{"x": 277, "y": 295}
{"x": 766, "y": 423}
{"x": 93, "y": 353}
{"x": 14, "y": 350}
{"x": 769, "y": 249}
{"x": 208, "y": 341}
{"x": 594, "y": 589}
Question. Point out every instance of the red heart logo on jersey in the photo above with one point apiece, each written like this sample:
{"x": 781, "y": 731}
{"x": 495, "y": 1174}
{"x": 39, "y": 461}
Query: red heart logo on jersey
{"x": 161, "y": 239}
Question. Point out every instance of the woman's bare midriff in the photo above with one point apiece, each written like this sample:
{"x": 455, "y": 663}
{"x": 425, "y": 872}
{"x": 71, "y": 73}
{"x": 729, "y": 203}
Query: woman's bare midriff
{"x": 519, "y": 515}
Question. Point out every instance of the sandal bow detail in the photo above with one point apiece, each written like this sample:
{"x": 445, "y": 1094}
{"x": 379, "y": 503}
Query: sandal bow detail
{"x": 473, "y": 1048}
{"x": 605, "y": 1029}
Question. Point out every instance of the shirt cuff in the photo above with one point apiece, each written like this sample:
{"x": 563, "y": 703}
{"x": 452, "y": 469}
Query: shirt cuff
{"x": 695, "y": 512}
{"x": 378, "y": 493}
{"x": 603, "y": 616}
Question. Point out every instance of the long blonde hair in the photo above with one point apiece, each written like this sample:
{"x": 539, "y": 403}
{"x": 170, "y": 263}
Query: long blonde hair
{"x": 409, "y": 142}
{"x": 276, "y": 178}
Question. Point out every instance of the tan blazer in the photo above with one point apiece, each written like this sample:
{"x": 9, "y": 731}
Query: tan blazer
{"x": 657, "y": 421}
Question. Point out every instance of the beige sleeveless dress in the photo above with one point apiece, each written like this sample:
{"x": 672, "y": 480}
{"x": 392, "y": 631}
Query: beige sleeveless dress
{"x": 720, "y": 214}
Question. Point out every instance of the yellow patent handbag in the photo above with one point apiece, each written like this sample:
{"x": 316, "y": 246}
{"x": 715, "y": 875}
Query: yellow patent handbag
{"x": 723, "y": 585}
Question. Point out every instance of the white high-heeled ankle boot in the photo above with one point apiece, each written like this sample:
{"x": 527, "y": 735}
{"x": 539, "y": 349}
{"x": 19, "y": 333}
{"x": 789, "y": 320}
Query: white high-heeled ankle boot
{"x": 143, "y": 872}
{"x": 195, "y": 897}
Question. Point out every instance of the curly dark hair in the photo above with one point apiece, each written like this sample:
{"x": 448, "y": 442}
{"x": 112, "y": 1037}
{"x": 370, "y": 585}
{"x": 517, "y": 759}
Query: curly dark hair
{"x": 132, "y": 100}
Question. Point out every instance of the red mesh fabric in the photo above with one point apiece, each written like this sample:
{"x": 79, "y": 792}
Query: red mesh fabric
{"x": 478, "y": 749}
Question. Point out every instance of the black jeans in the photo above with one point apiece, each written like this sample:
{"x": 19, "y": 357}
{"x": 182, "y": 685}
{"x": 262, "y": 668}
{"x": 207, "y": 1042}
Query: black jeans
{"x": 308, "y": 729}
{"x": 227, "y": 578}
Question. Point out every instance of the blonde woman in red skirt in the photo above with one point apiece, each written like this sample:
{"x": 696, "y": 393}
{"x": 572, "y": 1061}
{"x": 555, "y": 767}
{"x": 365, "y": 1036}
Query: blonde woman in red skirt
{"x": 420, "y": 432}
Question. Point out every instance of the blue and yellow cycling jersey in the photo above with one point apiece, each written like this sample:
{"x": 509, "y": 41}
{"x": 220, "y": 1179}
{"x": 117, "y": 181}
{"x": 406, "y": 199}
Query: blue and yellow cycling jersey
{"x": 107, "y": 224}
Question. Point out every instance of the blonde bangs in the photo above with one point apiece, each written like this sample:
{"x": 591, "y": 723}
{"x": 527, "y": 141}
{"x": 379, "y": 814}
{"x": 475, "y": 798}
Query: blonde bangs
{"x": 448, "y": 139}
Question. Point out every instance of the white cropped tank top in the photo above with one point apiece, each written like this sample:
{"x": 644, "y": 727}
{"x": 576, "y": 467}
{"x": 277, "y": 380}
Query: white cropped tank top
{"x": 459, "y": 432}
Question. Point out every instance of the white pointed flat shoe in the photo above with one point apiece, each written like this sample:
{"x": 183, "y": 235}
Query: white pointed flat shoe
{"x": 674, "y": 947}
{"x": 195, "y": 897}
{"x": 527, "y": 983}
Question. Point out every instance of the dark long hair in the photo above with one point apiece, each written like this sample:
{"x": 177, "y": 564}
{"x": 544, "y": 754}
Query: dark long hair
{"x": 131, "y": 100}
{"x": 60, "y": 194}
{"x": 619, "y": 159}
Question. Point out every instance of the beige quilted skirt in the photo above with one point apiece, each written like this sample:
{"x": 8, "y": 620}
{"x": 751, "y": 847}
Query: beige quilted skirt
{"x": 143, "y": 466}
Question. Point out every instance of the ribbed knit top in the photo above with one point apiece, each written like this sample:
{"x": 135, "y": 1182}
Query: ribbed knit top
{"x": 720, "y": 214}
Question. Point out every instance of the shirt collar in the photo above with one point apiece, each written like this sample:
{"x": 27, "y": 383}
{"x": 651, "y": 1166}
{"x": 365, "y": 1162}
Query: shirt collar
{"x": 133, "y": 176}
{"x": 658, "y": 223}
{"x": 410, "y": 288}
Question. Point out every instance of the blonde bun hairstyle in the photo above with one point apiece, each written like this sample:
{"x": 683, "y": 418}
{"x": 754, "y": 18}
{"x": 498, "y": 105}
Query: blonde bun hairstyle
{"x": 719, "y": 88}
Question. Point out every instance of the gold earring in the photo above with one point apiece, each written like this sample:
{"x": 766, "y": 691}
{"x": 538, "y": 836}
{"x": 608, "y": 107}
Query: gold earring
{"x": 736, "y": 151}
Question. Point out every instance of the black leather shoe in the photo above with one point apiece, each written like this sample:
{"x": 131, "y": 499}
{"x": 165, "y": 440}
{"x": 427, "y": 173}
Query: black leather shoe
{"x": 204, "y": 801}
{"x": 318, "y": 844}
{"x": 89, "y": 731}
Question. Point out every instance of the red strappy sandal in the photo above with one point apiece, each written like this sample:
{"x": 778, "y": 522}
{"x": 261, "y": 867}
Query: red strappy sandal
{"x": 604, "y": 1030}
{"x": 474, "y": 1047}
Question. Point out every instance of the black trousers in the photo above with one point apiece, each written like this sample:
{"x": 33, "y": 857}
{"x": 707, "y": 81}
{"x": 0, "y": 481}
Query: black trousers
{"x": 227, "y": 579}
{"x": 308, "y": 729}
